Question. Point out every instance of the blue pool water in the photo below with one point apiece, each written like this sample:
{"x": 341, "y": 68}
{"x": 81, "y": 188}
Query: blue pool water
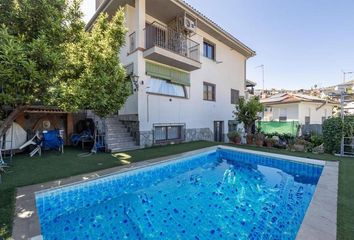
{"x": 220, "y": 194}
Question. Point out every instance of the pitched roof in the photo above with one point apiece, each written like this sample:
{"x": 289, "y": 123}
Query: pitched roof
{"x": 223, "y": 31}
{"x": 43, "y": 109}
{"x": 282, "y": 98}
{"x": 236, "y": 44}
{"x": 250, "y": 83}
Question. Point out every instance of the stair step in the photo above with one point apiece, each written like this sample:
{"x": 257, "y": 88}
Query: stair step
{"x": 115, "y": 124}
{"x": 115, "y": 127}
{"x": 113, "y": 120}
{"x": 113, "y": 134}
{"x": 121, "y": 145}
{"x": 114, "y": 150}
{"x": 118, "y": 144}
{"x": 116, "y": 131}
{"x": 119, "y": 140}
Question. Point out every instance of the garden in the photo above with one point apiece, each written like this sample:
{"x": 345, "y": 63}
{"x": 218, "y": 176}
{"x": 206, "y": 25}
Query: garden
{"x": 329, "y": 141}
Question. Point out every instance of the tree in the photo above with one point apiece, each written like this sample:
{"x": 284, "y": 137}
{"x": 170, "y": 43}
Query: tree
{"x": 47, "y": 57}
{"x": 246, "y": 112}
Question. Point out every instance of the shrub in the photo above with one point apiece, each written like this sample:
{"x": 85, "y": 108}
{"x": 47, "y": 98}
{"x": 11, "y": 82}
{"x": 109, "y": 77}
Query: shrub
{"x": 249, "y": 138}
{"x": 282, "y": 136}
{"x": 316, "y": 139}
{"x": 233, "y": 135}
{"x": 246, "y": 112}
{"x": 332, "y": 132}
{"x": 300, "y": 145}
{"x": 270, "y": 142}
{"x": 259, "y": 136}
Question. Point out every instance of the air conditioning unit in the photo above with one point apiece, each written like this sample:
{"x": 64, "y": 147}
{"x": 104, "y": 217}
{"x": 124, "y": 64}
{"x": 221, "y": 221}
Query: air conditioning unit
{"x": 189, "y": 24}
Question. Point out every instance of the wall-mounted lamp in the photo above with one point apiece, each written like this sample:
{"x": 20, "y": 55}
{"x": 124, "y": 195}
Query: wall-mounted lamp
{"x": 135, "y": 82}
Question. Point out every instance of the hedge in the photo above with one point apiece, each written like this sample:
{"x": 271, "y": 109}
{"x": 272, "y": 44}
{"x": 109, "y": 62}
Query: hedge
{"x": 332, "y": 132}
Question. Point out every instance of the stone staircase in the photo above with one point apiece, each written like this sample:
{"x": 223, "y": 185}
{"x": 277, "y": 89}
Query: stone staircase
{"x": 118, "y": 138}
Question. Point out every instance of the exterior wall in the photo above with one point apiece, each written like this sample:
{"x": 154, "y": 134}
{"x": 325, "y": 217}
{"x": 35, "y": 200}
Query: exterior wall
{"x": 309, "y": 109}
{"x": 292, "y": 112}
{"x": 226, "y": 72}
{"x": 298, "y": 112}
{"x": 195, "y": 112}
{"x": 131, "y": 105}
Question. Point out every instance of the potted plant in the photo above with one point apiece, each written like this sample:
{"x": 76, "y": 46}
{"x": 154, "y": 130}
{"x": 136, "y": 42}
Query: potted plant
{"x": 270, "y": 142}
{"x": 259, "y": 137}
{"x": 249, "y": 138}
{"x": 234, "y": 137}
{"x": 301, "y": 145}
{"x": 246, "y": 112}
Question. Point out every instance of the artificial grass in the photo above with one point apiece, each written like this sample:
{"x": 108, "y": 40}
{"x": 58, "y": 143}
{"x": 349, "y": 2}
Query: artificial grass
{"x": 52, "y": 166}
{"x": 345, "y": 214}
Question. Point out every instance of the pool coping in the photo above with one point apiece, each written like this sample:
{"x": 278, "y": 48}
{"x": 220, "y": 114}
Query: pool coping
{"x": 320, "y": 221}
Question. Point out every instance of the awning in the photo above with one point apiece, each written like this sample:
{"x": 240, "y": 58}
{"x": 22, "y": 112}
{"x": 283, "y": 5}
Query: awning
{"x": 168, "y": 73}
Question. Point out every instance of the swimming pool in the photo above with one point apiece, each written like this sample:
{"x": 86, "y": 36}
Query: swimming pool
{"x": 221, "y": 193}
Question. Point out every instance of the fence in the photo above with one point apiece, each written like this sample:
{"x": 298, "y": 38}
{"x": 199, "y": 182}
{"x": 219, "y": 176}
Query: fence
{"x": 279, "y": 127}
{"x": 311, "y": 128}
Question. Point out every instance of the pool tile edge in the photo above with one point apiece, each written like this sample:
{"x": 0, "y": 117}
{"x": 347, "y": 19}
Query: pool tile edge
{"x": 26, "y": 223}
{"x": 320, "y": 221}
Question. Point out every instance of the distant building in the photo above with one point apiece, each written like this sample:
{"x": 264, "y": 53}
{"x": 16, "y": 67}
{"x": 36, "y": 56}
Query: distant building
{"x": 250, "y": 88}
{"x": 302, "y": 108}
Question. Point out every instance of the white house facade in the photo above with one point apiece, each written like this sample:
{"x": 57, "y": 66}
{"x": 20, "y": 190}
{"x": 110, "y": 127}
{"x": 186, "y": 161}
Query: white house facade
{"x": 188, "y": 72}
{"x": 297, "y": 107}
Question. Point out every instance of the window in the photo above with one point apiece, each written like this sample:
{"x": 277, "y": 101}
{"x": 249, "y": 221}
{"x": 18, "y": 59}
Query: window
{"x": 307, "y": 120}
{"x": 268, "y": 109}
{"x": 235, "y": 96}
{"x": 208, "y": 91}
{"x": 168, "y": 133}
{"x": 132, "y": 42}
{"x": 164, "y": 87}
{"x": 209, "y": 50}
{"x": 283, "y": 112}
{"x": 323, "y": 119}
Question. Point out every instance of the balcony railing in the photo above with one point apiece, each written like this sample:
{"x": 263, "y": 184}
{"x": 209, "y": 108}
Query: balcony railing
{"x": 169, "y": 39}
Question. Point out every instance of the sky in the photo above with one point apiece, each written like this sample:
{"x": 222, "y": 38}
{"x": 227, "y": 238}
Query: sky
{"x": 301, "y": 43}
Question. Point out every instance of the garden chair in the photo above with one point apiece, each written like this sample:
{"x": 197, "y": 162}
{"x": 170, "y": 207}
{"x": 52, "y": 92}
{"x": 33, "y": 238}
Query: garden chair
{"x": 53, "y": 139}
{"x": 36, "y": 141}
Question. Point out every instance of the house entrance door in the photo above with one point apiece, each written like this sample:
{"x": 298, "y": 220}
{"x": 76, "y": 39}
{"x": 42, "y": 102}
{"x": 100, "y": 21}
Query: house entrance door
{"x": 218, "y": 131}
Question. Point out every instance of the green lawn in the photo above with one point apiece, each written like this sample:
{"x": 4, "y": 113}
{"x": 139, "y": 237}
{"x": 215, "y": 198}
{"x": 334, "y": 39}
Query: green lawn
{"x": 51, "y": 166}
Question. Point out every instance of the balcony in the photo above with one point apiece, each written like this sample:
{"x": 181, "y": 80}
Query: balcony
{"x": 165, "y": 45}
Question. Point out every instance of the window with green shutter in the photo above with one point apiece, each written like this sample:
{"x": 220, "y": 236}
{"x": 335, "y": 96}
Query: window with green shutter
{"x": 174, "y": 75}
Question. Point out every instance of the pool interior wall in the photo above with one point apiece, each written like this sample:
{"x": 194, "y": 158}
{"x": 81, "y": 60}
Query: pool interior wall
{"x": 220, "y": 193}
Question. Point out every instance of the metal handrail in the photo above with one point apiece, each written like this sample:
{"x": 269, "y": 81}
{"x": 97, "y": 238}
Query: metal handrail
{"x": 169, "y": 39}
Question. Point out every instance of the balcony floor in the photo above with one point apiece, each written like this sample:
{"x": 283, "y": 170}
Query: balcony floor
{"x": 170, "y": 58}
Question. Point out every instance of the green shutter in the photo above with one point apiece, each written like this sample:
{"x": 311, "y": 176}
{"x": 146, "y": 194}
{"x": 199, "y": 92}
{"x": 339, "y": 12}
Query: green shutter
{"x": 167, "y": 73}
{"x": 180, "y": 77}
